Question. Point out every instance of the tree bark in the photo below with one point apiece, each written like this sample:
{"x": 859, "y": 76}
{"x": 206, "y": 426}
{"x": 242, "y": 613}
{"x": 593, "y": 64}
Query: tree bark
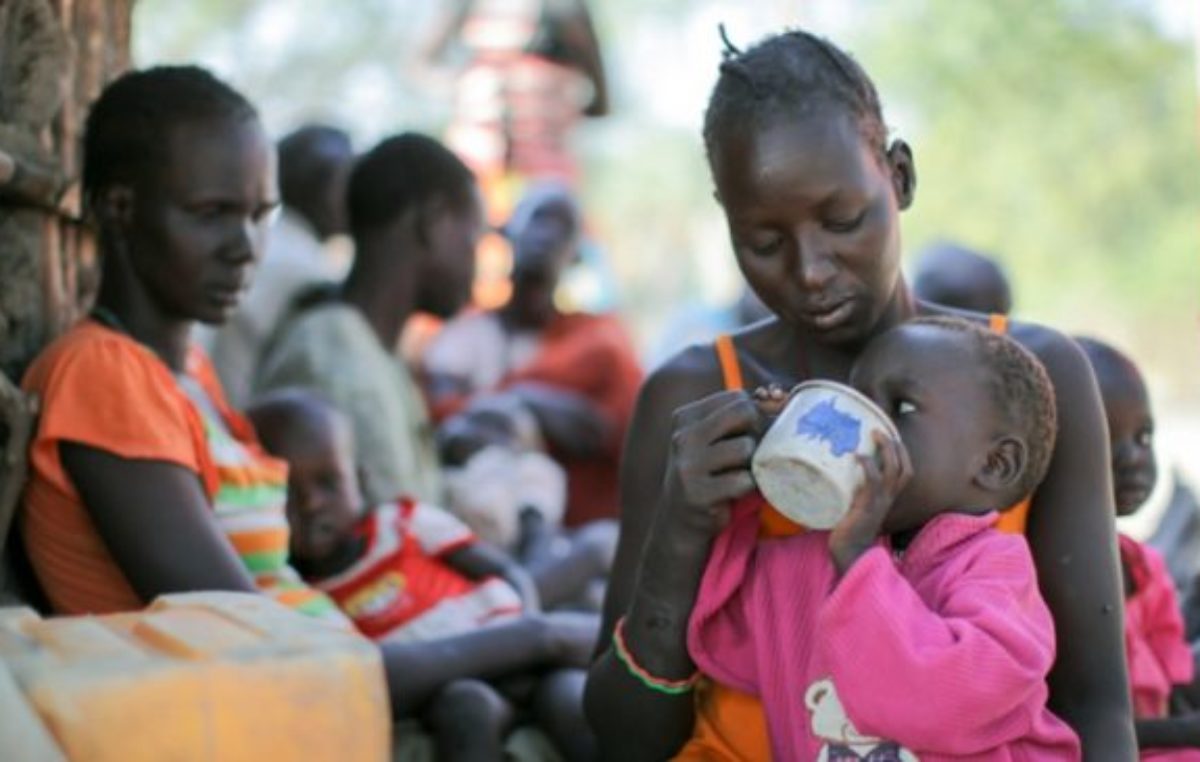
{"x": 55, "y": 56}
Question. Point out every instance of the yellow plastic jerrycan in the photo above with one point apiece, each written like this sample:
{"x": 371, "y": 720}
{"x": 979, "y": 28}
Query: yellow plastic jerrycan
{"x": 196, "y": 676}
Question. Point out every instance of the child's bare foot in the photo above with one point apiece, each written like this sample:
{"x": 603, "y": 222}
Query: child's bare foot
{"x": 558, "y": 708}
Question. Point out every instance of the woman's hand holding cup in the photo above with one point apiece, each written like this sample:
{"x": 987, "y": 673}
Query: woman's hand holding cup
{"x": 708, "y": 465}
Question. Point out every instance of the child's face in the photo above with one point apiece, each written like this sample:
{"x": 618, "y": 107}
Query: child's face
{"x": 1131, "y": 437}
{"x": 931, "y": 384}
{"x": 324, "y": 499}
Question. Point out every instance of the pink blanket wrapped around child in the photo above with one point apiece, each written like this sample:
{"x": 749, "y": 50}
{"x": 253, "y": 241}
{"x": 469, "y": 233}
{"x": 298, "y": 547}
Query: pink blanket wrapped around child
{"x": 1156, "y": 651}
{"x": 939, "y": 652}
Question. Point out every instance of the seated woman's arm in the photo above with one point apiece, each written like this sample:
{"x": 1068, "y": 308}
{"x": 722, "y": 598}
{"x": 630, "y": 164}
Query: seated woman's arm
{"x": 667, "y": 527}
{"x": 156, "y": 520}
{"x": 480, "y": 560}
{"x": 1182, "y": 732}
{"x": 569, "y": 421}
{"x": 1073, "y": 538}
{"x": 417, "y": 670}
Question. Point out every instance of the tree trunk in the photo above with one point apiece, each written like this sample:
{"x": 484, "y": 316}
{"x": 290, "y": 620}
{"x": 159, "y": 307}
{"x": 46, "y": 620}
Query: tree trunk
{"x": 55, "y": 55}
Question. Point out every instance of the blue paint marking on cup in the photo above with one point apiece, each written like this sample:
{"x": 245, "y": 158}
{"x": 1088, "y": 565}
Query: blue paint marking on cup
{"x": 825, "y": 423}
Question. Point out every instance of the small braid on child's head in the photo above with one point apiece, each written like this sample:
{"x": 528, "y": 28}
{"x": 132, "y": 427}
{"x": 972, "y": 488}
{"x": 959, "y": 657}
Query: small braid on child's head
{"x": 794, "y": 73}
{"x": 731, "y": 50}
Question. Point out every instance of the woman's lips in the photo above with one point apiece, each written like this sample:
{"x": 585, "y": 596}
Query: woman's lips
{"x": 227, "y": 294}
{"x": 831, "y": 317}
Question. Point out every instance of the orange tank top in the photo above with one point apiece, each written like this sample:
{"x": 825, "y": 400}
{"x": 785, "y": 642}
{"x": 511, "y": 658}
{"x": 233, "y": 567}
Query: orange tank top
{"x": 731, "y": 725}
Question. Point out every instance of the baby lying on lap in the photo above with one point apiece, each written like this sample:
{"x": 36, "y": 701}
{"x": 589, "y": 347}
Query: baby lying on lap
{"x": 410, "y": 572}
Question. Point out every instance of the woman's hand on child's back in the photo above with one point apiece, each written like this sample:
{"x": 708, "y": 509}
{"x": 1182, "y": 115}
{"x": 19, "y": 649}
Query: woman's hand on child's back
{"x": 708, "y": 466}
{"x": 885, "y": 476}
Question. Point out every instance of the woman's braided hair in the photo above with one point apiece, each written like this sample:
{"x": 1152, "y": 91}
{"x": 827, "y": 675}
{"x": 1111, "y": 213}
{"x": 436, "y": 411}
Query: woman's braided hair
{"x": 794, "y": 72}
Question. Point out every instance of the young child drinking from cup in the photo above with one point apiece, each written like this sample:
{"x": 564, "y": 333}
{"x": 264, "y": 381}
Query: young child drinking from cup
{"x": 913, "y": 628}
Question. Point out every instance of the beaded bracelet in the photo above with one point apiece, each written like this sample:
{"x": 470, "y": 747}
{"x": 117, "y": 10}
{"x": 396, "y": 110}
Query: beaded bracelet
{"x": 669, "y": 687}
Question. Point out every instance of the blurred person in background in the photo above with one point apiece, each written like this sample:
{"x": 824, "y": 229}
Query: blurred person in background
{"x": 533, "y": 69}
{"x": 314, "y": 163}
{"x": 526, "y": 73}
{"x": 953, "y": 275}
{"x": 416, "y": 216}
{"x": 1160, "y": 662}
{"x": 575, "y": 372}
{"x": 699, "y": 324}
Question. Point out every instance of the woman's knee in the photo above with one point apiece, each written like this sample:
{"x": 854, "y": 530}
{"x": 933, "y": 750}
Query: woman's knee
{"x": 558, "y": 707}
{"x": 472, "y": 705}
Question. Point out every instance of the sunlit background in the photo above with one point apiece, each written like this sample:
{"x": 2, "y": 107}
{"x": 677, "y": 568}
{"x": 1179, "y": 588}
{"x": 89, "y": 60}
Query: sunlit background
{"x": 1061, "y": 136}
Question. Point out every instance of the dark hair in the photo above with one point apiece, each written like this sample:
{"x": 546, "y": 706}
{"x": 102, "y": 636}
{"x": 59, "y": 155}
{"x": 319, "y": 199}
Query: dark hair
{"x": 293, "y": 414}
{"x": 795, "y": 72}
{"x": 954, "y": 275}
{"x": 308, "y": 157}
{"x": 130, "y": 123}
{"x": 402, "y": 172}
{"x": 1107, "y": 361}
{"x": 1021, "y": 390}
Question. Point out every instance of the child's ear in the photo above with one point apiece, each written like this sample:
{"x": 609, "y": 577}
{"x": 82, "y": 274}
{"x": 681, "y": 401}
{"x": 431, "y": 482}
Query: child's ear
{"x": 1003, "y": 466}
{"x": 904, "y": 172}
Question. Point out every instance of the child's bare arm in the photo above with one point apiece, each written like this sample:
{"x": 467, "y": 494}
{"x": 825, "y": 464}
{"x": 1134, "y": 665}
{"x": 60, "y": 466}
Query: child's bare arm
{"x": 1181, "y": 732}
{"x": 416, "y": 671}
{"x": 480, "y": 559}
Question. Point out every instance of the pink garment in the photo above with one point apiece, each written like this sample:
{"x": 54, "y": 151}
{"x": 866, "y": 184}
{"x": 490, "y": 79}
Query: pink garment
{"x": 937, "y": 653}
{"x": 1155, "y": 649}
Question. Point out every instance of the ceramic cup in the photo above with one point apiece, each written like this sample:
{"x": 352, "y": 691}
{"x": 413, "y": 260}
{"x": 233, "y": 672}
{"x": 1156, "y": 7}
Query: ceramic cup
{"x": 806, "y": 464}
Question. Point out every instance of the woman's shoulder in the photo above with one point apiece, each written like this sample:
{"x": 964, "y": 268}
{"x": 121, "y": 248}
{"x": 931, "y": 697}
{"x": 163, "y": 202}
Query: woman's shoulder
{"x": 93, "y": 353}
{"x": 323, "y": 340}
{"x": 1061, "y": 356}
{"x": 688, "y": 375}
{"x": 1063, "y": 359}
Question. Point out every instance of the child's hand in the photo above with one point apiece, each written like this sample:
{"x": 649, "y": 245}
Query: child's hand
{"x": 522, "y": 582}
{"x": 772, "y": 399}
{"x": 886, "y": 474}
